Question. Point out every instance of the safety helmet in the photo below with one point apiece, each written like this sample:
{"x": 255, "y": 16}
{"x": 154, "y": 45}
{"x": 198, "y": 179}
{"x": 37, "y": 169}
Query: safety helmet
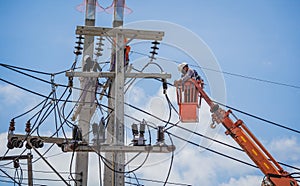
{"x": 85, "y": 58}
{"x": 181, "y": 65}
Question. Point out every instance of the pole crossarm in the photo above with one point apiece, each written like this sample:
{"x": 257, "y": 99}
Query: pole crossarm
{"x": 43, "y": 138}
{"x": 118, "y": 148}
{"x": 128, "y": 33}
{"x": 8, "y": 158}
{"x": 83, "y": 147}
{"x": 112, "y": 75}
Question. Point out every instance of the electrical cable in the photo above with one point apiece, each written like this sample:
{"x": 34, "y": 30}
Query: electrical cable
{"x": 33, "y": 108}
{"x": 216, "y": 152}
{"x": 157, "y": 181}
{"x": 206, "y": 138}
{"x": 1, "y": 79}
{"x": 41, "y": 95}
{"x": 253, "y": 116}
{"x": 106, "y": 162}
{"x": 182, "y": 127}
{"x": 4, "y": 156}
{"x": 132, "y": 183}
{"x": 62, "y": 111}
{"x": 227, "y": 73}
{"x": 137, "y": 180}
{"x": 44, "y": 153}
{"x": 100, "y": 172}
{"x": 39, "y": 171}
{"x": 222, "y": 154}
{"x": 55, "y": 106}
{"x": 259, "y": 118}
{"x": 60, "y": 118}
{"x": 235, "y": 148}
{"x": 35, "y": 71}
{"x": 14, "y": 181}
{"x": 70, "y": 168}
{"x": 57, "y": 173}
{"x": 276, "y": 124}
{"x": 124, "y": 103}
{"x": 171, "y": 163}
{"x": 170, "y": 111}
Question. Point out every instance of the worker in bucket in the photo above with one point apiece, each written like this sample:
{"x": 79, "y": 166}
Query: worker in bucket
{"x": 187, "y": 72}
{"x": 190, "y": 93}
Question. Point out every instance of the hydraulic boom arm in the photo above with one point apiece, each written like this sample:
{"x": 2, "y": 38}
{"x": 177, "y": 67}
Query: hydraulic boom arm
{"x": 274, "y": 173}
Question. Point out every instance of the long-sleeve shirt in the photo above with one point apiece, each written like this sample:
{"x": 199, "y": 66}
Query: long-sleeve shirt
{"x": 189, "y": 74}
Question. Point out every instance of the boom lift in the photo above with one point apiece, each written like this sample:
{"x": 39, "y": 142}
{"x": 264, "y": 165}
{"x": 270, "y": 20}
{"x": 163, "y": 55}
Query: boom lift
{"x": 274, "y": 173}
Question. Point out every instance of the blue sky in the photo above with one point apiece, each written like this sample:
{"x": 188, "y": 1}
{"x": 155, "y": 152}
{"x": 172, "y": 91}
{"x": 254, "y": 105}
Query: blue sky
{"x": 255, "y": 38}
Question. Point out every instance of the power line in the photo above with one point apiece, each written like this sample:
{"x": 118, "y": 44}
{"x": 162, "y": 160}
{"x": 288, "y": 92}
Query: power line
{"x": 39, "y": 171}
{"x": 251, "y": 115}
{"x": 158, "y": 181}
{"x": 158, "y": 117}
{"x": 259, "y": 118}
{"x": 143, "y": 112}
{"x": 216, "y": 152}
{"x": 30, "y": 70}
{"x": 204, "y": 137}
{"x": 41, "y": 95}
{"x": 227, "y": 73}
{"x": 10, "y": 177}
{"x": 170, "y": 133}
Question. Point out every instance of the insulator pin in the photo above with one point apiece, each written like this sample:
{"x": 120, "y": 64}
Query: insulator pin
{"x": 28, "y": 127}
{"x": 154, "y": 49}
{"x": 160, "y": 136}
{"x": 78, "y": 47}
{"x": 12, "y": 125}
{"x": 99, "y": 45}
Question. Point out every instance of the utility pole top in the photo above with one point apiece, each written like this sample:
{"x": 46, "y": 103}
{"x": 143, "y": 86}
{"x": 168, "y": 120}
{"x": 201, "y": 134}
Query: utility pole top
{"x": 127, "y": 33}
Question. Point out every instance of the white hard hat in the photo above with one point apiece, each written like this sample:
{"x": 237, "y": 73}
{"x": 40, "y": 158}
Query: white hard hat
{"x": 181, "y": 65}
{"x": 86, "y": 58}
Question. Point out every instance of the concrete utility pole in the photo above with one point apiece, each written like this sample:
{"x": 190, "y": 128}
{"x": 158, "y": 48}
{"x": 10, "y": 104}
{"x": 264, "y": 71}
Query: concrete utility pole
{"x": 29, "y": 164}
{"x": 114, "y": 147}
{"x": 87, "y": 86}
{"x": 116, "y": 123}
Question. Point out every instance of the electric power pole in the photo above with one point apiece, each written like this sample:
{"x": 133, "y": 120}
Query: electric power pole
{"x": 116, "y": 122}
{"x": 87, "y": 86}
{"x": 113, "y": 146}
{"x": 16, "y": 160}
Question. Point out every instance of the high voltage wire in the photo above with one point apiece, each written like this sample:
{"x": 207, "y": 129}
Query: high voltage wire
{"x": 214, "y": 151}
{"x": 11, "y": 67}
{"x": 257, "y": 117}
{"x": 128, "y": 105}
{"x": 157, "y": 181}
{"x": 131, "y": 105}
{"x": 207, "y": 138}
{"x": 204, "y": 137}
{"x": 159, "y": 118}
{"x": 106, "y": 95}
{"x": 30, "y": 70}
{"x": 227, "y": 73}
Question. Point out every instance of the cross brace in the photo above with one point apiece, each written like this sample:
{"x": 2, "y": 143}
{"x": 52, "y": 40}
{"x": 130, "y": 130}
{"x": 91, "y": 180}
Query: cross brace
{"x": 128, "y": 33}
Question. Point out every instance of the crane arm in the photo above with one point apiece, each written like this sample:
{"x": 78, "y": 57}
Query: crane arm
{"x": 275, "y": 175}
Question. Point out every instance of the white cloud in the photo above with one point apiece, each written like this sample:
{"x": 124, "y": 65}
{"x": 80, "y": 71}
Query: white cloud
{"x": 10, "y": 94}
{"x": 247, "y": 180}
{"x": 286, "y": 148}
